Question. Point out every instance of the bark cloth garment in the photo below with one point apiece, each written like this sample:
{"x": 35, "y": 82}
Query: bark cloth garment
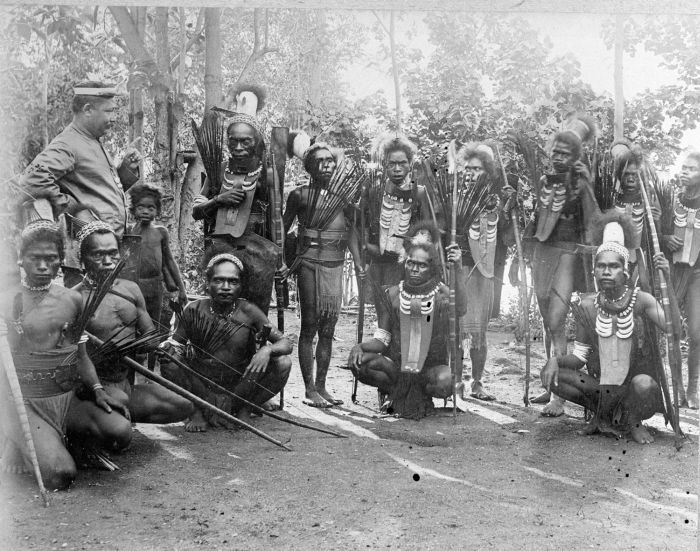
{"x": 203, "y": 360}
{"x": 616, "y": 348}
{"x": 686, "y": 226}
{"x": 75, "y": 169}
{"x": 47, "y": 380}
{"x": 321, "y": 255}
{"x": 409, "y": 398}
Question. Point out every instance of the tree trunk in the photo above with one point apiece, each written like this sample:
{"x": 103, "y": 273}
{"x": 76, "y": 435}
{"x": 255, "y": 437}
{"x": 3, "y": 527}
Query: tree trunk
{"x": 395, "y": 69}
{"x": 163, "y": 156}
{"x": 315, "y": 69}
{"x": 136, "y": 94}
{"x": 213, "y": 88}
{"x": 619, "y": 131}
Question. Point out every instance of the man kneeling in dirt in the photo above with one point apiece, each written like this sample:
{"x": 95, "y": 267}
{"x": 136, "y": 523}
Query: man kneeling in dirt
{"x": 49, "y": 354}
{"x": 217, "y": 337}
{"x": 121, "y": 318}
{"x": 408, "y": 357}
{"x": 615, "y": 332}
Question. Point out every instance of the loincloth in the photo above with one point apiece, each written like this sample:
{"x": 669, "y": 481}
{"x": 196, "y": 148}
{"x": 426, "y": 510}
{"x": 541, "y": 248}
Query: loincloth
{"x": 408, "y": 397}
{"x": 327, "y": 285}
{"x": 480, "y": 294}
{"x": 53, "y": 410}
{"x": 545, "y": 261}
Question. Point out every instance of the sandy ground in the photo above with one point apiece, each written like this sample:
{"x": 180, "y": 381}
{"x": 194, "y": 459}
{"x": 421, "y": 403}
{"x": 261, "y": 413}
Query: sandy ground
{"x": 499, "y": 477}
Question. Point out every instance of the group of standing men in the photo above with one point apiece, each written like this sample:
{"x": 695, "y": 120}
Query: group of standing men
{"x": 76, "y": 393}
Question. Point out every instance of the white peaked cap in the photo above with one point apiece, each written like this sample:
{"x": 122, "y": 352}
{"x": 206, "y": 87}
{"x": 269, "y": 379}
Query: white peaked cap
{"x": 302, "y": 142}
{"x": 247, "y": 103}
{"x": 614, "y": 241}
{"x": 486, "y": 149}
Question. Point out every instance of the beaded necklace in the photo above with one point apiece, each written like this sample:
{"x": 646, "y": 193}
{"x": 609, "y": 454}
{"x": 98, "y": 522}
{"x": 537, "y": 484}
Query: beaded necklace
{"x": 248, "y": 184}
{"x": 624, "y": 316}
{"x": 427, "y": 299}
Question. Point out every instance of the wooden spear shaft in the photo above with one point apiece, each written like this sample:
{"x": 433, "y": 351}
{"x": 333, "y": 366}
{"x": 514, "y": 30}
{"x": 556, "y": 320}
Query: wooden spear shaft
{"x": 16, "y": 391}
{"x": 191, "y": 397}
{"x": 522, "y": 288}
{"x": 235, "y": 396}
{"x": 453, "y": 299}
{"x": 361, "y": 281}
{"x": 672, "y": 348}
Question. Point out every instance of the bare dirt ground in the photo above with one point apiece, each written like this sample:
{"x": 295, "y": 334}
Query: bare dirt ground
{"x": 500, "y": 477}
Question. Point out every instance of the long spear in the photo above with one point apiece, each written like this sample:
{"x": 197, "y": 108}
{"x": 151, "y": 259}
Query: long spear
{"x": 454, "y": 344}
{"x": 524, "y": 297}
{"x": 235, "y": 396}
{"x": 9, "y": 365}
{"x": 361, "y": 280}
{"x": 672, "y": 344}
{"x": 191, "y": 397}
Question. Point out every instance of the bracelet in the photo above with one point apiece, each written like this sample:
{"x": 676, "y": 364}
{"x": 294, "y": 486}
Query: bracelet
{"x": 97, "y": 386}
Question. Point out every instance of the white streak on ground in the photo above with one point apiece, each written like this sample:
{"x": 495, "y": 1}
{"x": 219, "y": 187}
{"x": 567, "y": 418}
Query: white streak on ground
{"x": 155, "y": 432}
{"x": 686, "y": 514}
{"x": 308, "y": 412}
{"x": 484, "y": 412}
{"x": 551, "y": 476}
{"x": 424, "y": 471}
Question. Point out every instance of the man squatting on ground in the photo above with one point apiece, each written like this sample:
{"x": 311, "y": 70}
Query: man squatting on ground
{"x": 565, "y": 204}
{"x": 236, "y": 210}
{"x": 51, "y": 362}
{"x": 479, "y": 244}
{"x": 684, "y": 244}
{"x": 122, "y": 315}
{"x": 613, "y": 341}
{"x": 320, "y": 258}
{"x": 407, "y": 359}
{"x": 400, "y": 206}
{"x": 75, "y": 169}
{"x": 235, "y": 364}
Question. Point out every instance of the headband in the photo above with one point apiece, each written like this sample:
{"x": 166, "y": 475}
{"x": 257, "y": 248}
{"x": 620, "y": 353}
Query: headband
{"x": 225, "y": 256}
{"x": 90, "y": 228}
{"x": 614, "y": 247}
{"x": 249, "y": 120}
{"x": 101, "y": 92}
{"x": 39, "y": 225}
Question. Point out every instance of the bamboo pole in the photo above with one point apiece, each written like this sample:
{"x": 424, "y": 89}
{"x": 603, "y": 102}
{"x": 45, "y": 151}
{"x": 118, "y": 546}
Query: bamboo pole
{"x": 16, "y": 391}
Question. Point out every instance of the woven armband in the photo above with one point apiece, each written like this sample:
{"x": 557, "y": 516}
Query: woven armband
{"x": 383, "y": 336}
{"x": 83, "y": 338}
{"x": 581, "y": 351}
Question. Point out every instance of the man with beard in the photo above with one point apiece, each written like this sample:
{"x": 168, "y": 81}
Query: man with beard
{"x": 685, "y": 246}
{"x": 233, "y": 362}
{"x": 50, "y": 358}
{"x": 611, "y": 334}
{"x": 321, "y": 255}
{"x": 479, "y": 243}
{"x": 407, "y": 359}
{"x": 75, "y": 169}
{"x": 236, "y": 210}
{"x": 122, "y": 316}
{"x": 565, "y": 204}
{"x": 394, "y": 208}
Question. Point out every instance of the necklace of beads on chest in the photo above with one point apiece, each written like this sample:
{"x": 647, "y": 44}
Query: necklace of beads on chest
{"x": 624, "y": 318}
{"x": 251, "y": 180}
{"x": 427, "y": 300}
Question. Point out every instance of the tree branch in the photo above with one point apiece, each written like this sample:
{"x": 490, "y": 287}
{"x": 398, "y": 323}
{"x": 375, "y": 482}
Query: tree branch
{"x": 198, "y": 30}
{"x": 258, "y": 51}
{"x": 131, "y": 37}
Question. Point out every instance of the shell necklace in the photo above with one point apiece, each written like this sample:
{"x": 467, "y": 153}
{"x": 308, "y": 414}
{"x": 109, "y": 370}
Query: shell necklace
{"x": 624, "y": 319}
